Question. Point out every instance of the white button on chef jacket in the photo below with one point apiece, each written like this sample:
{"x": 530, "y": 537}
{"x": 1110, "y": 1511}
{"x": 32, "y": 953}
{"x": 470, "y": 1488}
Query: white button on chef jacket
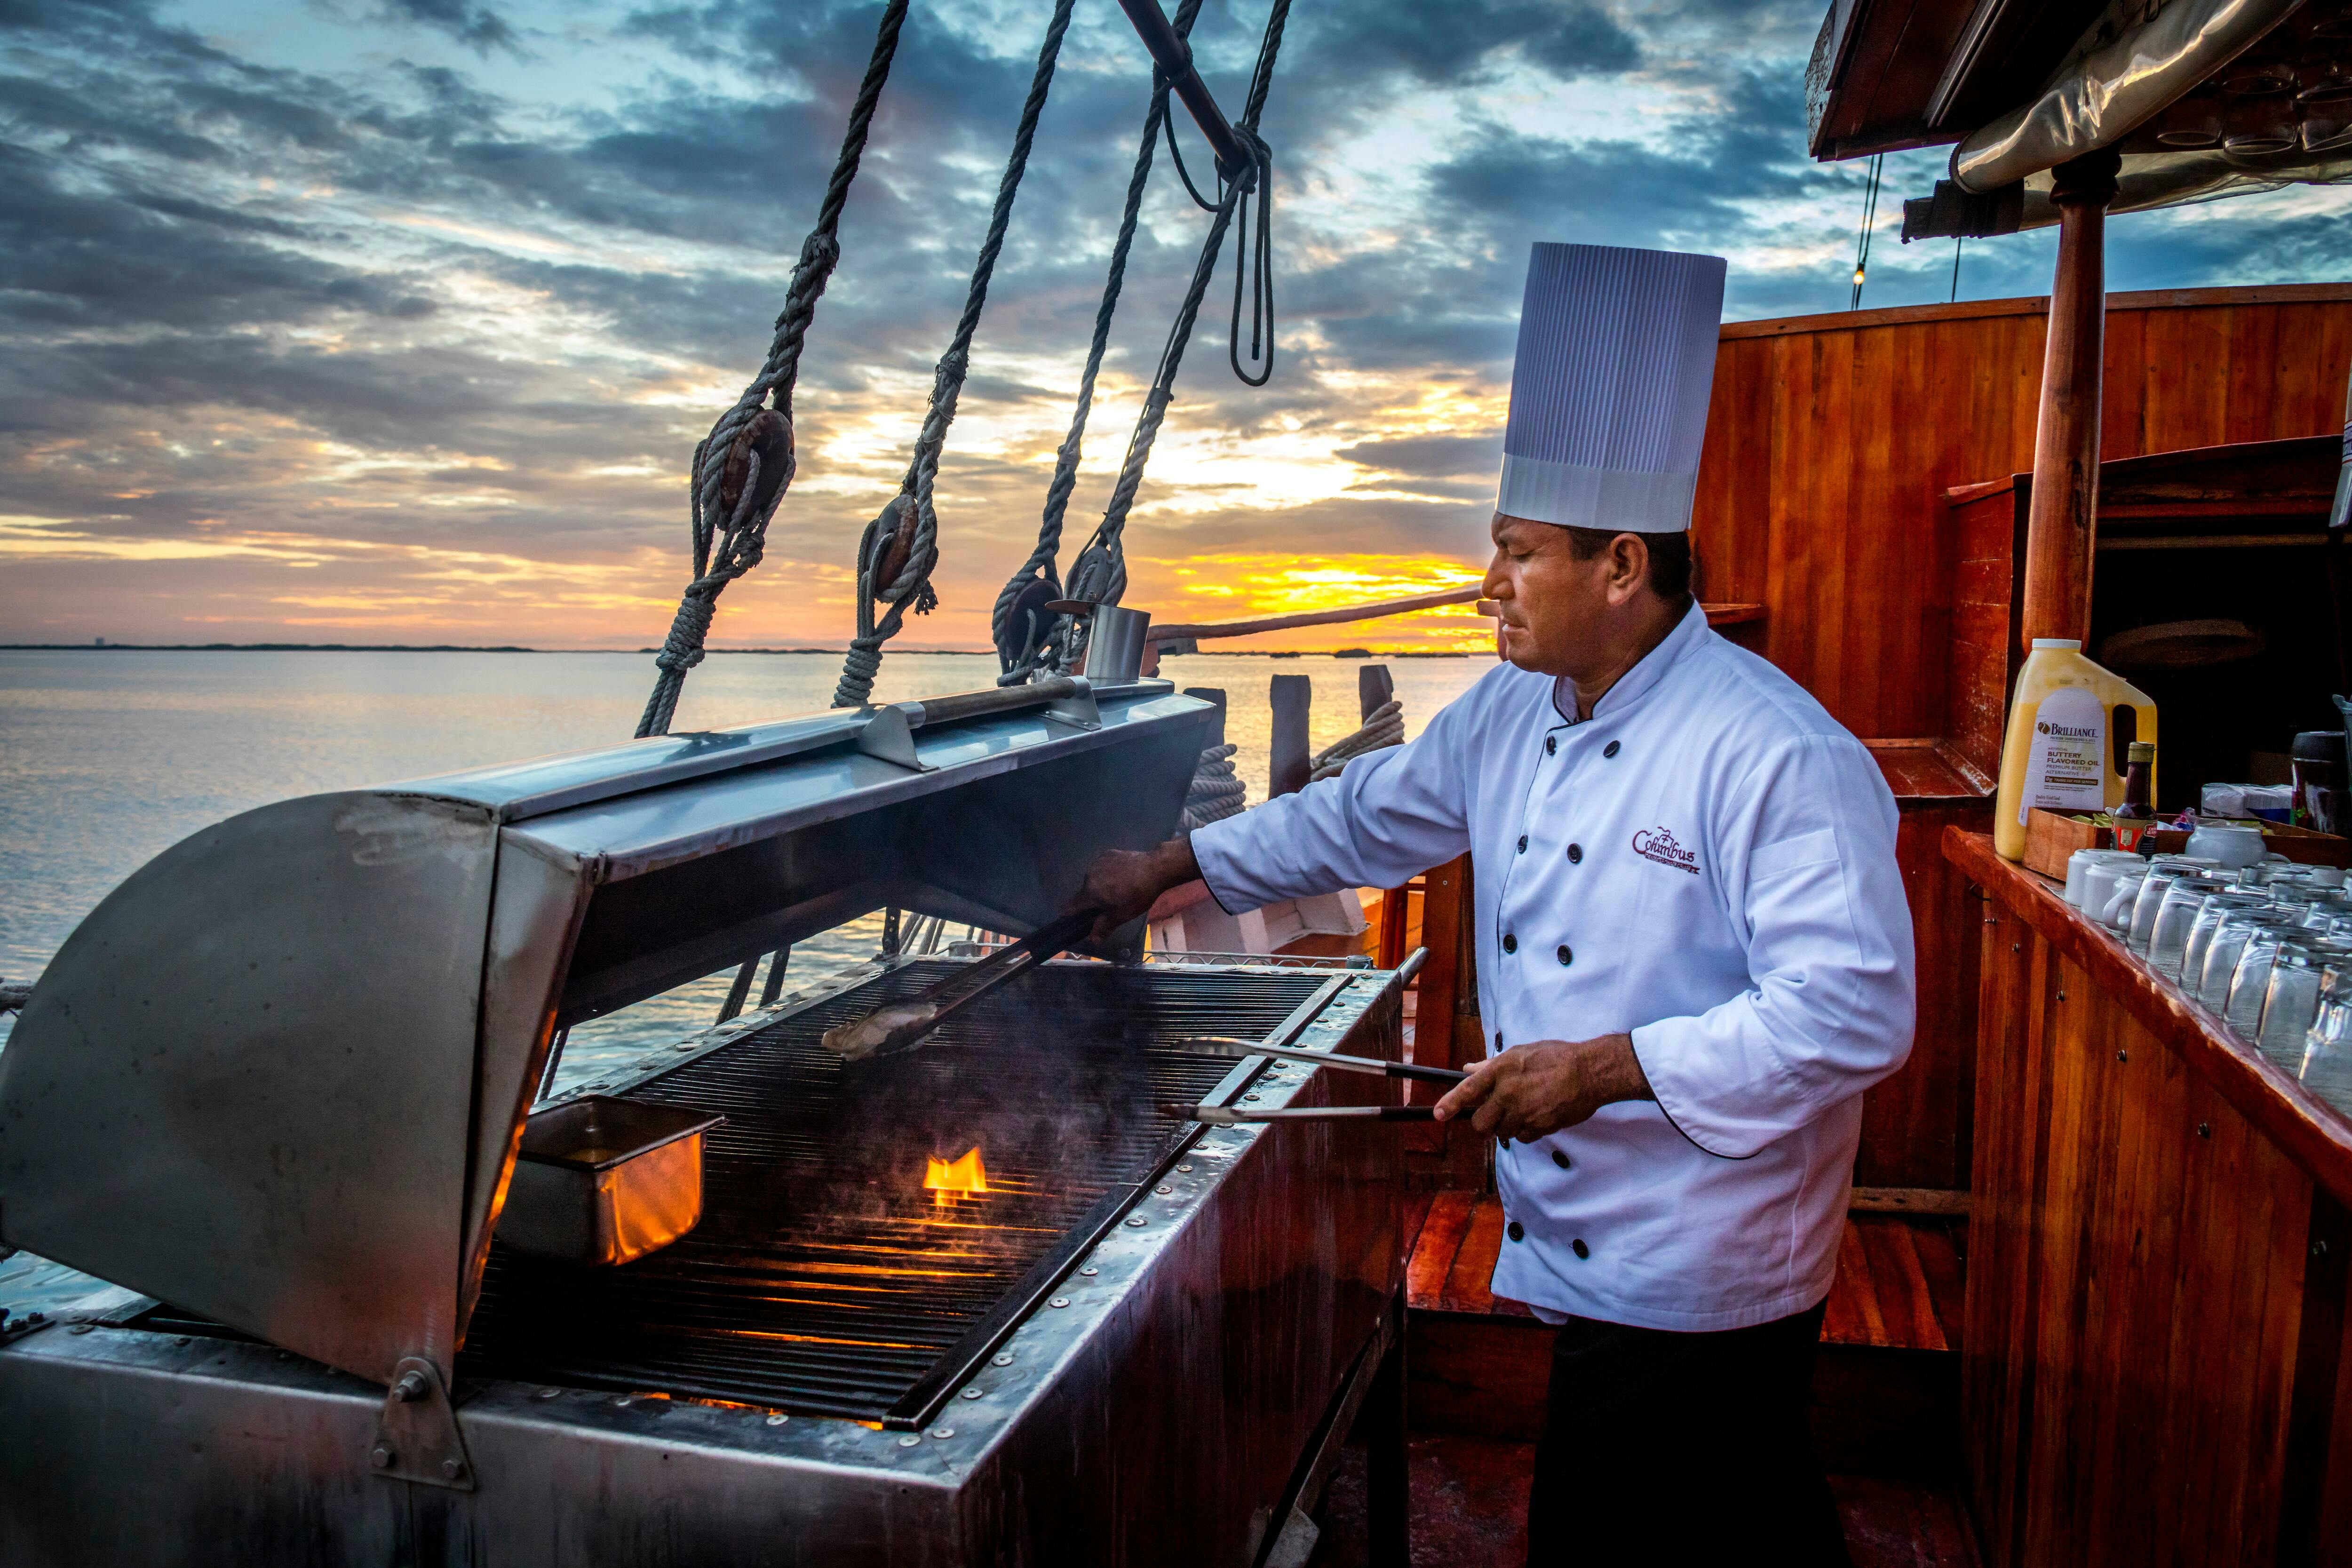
{"x": 1708, "y": 863}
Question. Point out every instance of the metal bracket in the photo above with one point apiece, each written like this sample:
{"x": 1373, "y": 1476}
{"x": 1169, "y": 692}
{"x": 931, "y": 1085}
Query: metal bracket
{"x": 416, "y": 1435}
{"x": 889, "y": 736}
{"x": 1078, "y": 708}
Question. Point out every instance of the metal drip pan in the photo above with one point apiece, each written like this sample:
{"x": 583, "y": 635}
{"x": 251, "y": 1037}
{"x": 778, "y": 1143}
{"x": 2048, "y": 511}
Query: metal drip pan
{"x": 602, "y": 1181}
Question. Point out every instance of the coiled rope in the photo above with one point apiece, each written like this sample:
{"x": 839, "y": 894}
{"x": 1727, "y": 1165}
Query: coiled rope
{"x": 901, "y": 546}
{"x": 1384, "y": 727}
{"x": 1099, "y": 573}
{"x": 1217, "y": 789}
{"x": 743, "y": 468}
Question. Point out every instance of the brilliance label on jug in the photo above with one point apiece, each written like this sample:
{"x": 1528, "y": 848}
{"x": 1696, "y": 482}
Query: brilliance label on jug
{"x": 2066, "y": 770}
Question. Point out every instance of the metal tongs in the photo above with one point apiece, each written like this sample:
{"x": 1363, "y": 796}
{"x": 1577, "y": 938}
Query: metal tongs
{"x": 1229, "y": 1116}
{"x": 900, "y": 1026}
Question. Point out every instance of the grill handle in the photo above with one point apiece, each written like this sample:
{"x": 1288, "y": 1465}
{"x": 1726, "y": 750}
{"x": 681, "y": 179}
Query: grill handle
{"x": 963, "y": 705}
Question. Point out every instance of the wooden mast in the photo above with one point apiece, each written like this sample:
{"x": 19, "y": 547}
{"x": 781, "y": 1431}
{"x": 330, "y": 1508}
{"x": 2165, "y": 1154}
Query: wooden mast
{"x": 2061, "y": 526}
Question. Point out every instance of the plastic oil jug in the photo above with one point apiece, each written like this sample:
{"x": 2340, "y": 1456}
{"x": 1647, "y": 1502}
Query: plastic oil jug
{"x": 2062, "y": 753}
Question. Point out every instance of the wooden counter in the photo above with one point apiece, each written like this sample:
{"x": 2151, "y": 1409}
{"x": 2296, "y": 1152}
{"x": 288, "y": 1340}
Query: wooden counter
{"x": 2155, "y": 1317}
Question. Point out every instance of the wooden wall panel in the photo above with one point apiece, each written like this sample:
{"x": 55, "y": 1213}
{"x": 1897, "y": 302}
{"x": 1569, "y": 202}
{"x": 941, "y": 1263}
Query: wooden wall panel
{"x": 1915, "y": 1126}
{"x": 1832, "y": 439}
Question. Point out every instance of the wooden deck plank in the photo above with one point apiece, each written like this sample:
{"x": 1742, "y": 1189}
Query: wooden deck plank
{"x": 1469, "y": 1287}
{"x": 1939, "y": 1260}
{"x": 1432, "y": 1253}
{"x": 1905, "y": 1309}
{"x": 1852, "y": 1317}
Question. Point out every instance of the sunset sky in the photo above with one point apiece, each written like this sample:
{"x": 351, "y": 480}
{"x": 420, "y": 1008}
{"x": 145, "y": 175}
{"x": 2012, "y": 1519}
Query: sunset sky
{"x": 396, "y": 320}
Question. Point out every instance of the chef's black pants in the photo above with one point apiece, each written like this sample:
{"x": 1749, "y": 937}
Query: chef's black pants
{"x": 1663, "y": 1448}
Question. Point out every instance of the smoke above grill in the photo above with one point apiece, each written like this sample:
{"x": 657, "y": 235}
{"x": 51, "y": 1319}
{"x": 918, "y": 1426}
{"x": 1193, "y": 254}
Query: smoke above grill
{"x": 846, "y": 1264}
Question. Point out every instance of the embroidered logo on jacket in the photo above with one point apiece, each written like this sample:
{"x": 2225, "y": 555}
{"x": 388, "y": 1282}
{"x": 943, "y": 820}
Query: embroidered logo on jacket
{"x": 1658, "y": 844}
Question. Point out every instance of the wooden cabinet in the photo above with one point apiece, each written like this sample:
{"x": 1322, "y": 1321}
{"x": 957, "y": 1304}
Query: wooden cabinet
{"x": 2155, "y": 1318}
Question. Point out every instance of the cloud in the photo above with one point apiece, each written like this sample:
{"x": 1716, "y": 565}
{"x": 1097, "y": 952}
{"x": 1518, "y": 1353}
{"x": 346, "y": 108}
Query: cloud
{"x": 402, "y": 323}
{"x": 478, "y": 27}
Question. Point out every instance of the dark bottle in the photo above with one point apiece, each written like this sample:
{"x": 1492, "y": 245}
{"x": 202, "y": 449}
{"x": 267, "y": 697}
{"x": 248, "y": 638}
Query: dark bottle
{"x": 2140, "y": 760}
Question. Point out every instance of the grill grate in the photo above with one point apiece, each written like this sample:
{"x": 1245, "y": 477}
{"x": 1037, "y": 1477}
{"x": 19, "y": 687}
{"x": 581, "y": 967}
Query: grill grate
{"x": 824, "y": 1279}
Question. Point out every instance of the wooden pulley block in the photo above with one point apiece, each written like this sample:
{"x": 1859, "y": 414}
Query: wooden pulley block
{"x": 770, "y": 434}
{"x": 894, "y": 541}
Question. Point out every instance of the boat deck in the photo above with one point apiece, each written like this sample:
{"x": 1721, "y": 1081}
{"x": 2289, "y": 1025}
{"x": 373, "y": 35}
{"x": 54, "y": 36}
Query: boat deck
{"x": 1478, "y": 1365}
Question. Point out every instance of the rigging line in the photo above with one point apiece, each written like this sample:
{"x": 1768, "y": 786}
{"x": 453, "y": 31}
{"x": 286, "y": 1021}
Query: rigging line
{"x": 1261, "y": 294}
{"x": 1018, "y": 667}
{"x": 1958, "y": 241}
{"x": 1160, "y": 80}
{"x": 901, "y": 543}
{"x": 1099, "y": 576}
{"x": 1869, "y": 217}
{"x": 751, "y": 438}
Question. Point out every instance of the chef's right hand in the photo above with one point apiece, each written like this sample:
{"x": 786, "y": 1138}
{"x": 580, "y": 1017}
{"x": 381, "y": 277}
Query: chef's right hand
{"x": 1124, "y": 883}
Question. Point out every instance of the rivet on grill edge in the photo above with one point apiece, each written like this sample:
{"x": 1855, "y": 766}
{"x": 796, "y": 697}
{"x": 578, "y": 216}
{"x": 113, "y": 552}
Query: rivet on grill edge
{"x": 452, "y": 1468}
{"x": 1090, "y": 1271}
{"x": 942, "y": 1431}
{"x": 1184, "y": 1169}
{"x": 1000, "y": 1360}
{"x": 1059, "y": 1301}
{"x": 182, "y": 1339}
{"x": 382, "y": 1456}
{"x": 549, "y": 1393}
{"x": 1163, "y": 1192}
{"x": 1249, "y": 1097}
{"x": 973, "y": 1393}
{"x": 778, "y": 1419}
{"x": 909, "y": 1441}
{"x": 1136, "y": 1219}
{"x": 78, "y": 1329}
{"x": 622, "y": 1399}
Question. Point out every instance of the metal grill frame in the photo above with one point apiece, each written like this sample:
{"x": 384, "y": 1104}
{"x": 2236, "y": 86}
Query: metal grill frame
{"x": 922, "y": 1403}
{"x": 1155, "y": 1418}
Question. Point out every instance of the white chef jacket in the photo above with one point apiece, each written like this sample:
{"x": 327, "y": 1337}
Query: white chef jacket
{"x": 1707, "y": 863}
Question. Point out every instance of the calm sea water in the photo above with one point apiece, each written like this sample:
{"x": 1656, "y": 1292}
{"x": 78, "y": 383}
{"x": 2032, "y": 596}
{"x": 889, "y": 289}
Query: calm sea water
{"x": 108, "y": 758}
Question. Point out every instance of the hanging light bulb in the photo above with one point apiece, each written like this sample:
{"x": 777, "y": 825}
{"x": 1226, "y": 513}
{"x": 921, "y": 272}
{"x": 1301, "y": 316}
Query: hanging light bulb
{"x": 1857, "y": 276}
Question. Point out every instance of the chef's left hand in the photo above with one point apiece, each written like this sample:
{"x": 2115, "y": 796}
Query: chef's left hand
{"x": 1533, "y": 1090}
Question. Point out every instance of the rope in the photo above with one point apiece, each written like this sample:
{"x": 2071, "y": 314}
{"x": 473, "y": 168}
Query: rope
{"x": 1869, "y": 218}
{"x": 901, "y": 546}
{"x": 1217, "y": 789}
{"x": 1021, "y": 655}
{"x": 737, "y": 494}
{"x": 1099, "y": 575}
{"x": 1385, "y": 728}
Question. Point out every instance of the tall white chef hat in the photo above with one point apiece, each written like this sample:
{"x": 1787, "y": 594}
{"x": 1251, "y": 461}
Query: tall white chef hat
{"x": 1609, "y": 395}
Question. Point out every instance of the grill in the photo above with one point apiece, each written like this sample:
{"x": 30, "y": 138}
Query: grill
{"x": 823, "y": 1278}
{"x": 277, "y": 1080}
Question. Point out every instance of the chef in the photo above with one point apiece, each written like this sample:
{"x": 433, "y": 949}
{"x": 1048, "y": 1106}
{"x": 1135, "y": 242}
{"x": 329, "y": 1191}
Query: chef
{"x": 1693, "y": 949}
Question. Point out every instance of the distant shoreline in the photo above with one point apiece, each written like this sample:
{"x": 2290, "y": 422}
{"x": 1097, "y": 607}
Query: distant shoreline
{"x": 1350, "y": 654}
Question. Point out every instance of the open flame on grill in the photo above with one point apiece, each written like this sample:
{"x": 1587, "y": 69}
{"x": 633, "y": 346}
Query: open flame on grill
{"x": 944, "y": 1179}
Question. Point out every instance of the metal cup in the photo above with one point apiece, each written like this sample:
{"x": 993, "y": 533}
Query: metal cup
{"x": 1115, "y": 639}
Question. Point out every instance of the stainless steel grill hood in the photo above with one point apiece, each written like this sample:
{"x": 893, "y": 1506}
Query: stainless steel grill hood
{"x": 276, "y": 1078}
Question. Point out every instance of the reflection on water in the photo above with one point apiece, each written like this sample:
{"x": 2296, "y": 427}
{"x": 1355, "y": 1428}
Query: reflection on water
{"x": 107, "y": 759}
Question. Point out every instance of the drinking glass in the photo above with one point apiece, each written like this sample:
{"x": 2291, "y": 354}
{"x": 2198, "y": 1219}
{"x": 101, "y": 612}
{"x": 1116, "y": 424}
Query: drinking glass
{"x": 2176, "y": 916}
{"x": 2291, "y": 999}
{"x": 2222, "y": 952}
{"x": 2158, "y": 882}
{"x": 2242, "y": 1011}
{"x": 2326, "y": 1068}
{"x": 2209, "y": 915}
